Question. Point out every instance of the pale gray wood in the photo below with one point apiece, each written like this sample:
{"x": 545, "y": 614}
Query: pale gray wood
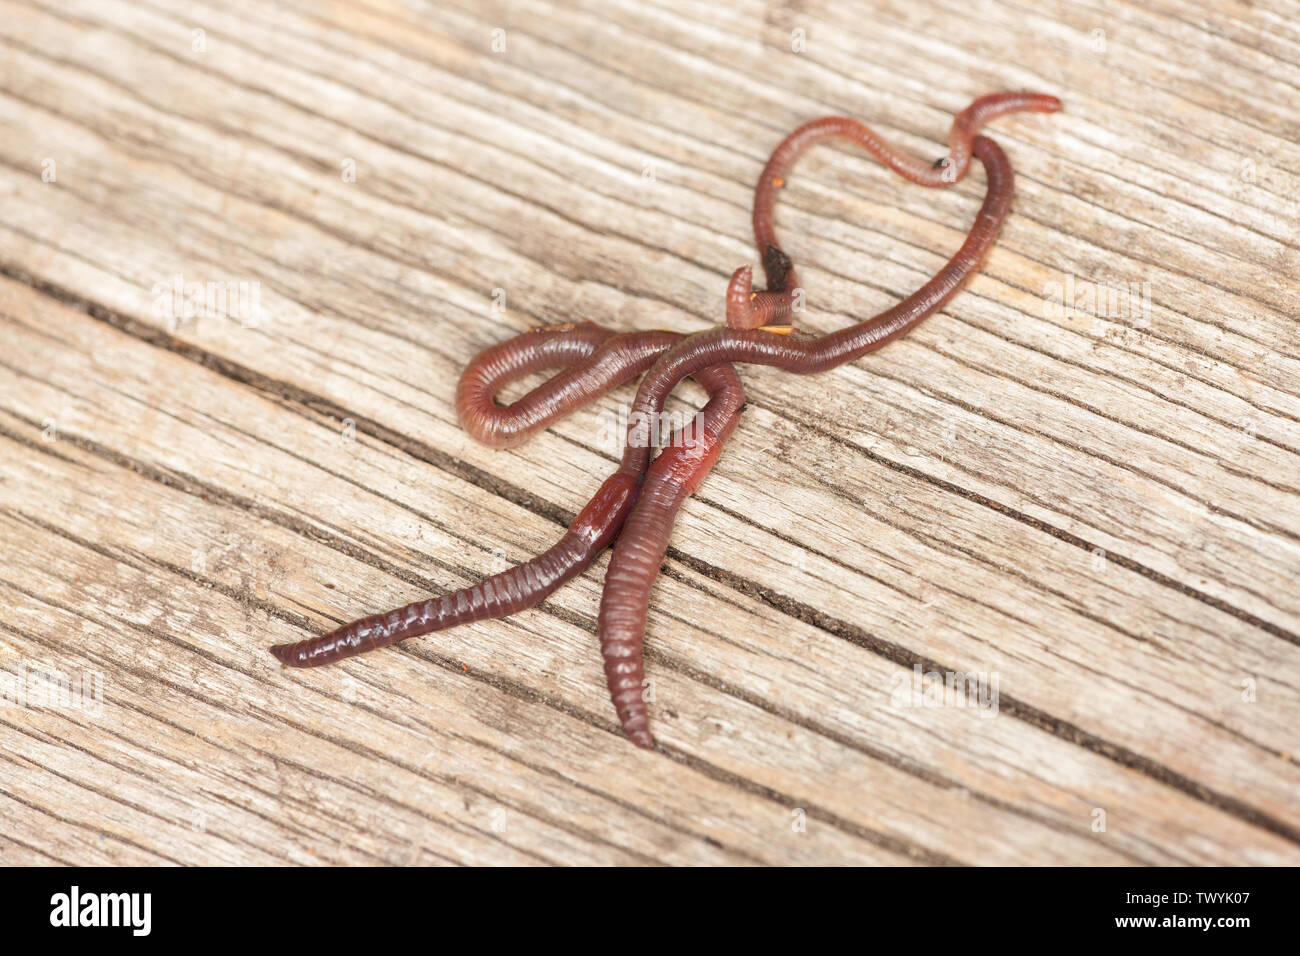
{"x": 1103, "y": 516}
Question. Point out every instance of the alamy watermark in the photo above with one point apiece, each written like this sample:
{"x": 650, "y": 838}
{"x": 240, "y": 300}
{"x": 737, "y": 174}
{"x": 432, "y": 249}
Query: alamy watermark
{"x": 922, "y": 688}
{"x": 183, "y": 303}
{"x": 74, "y": 908}
{"x": 1074, "y": 297}
{"x": 52, "y": 690}
{"x": 660, "y": 430}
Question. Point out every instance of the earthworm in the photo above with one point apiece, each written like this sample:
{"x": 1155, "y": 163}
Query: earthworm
{"x": 747, "y": 309}
{"x": 594, "y": 360}
{"x": 636, "y": 560}
{"x": 641, "y": 547}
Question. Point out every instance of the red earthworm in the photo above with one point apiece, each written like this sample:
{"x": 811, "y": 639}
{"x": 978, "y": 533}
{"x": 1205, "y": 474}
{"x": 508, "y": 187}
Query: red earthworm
{"x": 499, "y": 595}
{"x": 747, "y": 309}
{"x": 810, "y": 354}
{"x": 641, "y": 547}
{"x": 597, "y": 361}
{"x": 635, "y": 562}
{"x": 593, "y": 360}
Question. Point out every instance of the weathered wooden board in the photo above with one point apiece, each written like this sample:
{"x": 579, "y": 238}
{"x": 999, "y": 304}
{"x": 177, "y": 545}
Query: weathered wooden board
{"x": 1097, "y": 511}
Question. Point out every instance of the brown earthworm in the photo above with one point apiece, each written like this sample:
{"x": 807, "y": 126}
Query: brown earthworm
{"x": 632, "y": 569}
{"x": 747, "y": 309}
{"x": 592, "y": 360}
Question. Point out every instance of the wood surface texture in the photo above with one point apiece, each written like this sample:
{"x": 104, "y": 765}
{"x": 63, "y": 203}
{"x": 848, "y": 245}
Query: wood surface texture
{"x": 1090, "y": 500}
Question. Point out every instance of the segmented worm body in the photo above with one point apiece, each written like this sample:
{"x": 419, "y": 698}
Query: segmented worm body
{"x": 595, "y": 360}
{"x": 632, "y": 569}
{"x": 639, "y": 502}
{"x": 747, "y": 309}
{"x": 674, "y": 475}
{"x": 633, "y": 566}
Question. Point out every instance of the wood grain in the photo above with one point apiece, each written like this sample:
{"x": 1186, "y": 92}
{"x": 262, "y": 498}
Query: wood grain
{"x": 1098, "y": 511}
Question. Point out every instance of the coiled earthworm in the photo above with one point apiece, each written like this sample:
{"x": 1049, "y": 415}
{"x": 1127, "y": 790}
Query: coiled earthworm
{"x": 594, "y": 360}
{"x": 632, "y": 569}
{"x": 747, "y": 309}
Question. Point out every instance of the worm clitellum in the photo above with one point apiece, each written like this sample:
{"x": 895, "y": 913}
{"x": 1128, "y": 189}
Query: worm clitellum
{"x": 639, "y": 502}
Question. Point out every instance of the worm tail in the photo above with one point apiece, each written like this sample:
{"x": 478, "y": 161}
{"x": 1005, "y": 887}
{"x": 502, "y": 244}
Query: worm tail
{"x": 625, "y": 604}
{"x": 641, "y": 547}
{"x": 500, "y": 595}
